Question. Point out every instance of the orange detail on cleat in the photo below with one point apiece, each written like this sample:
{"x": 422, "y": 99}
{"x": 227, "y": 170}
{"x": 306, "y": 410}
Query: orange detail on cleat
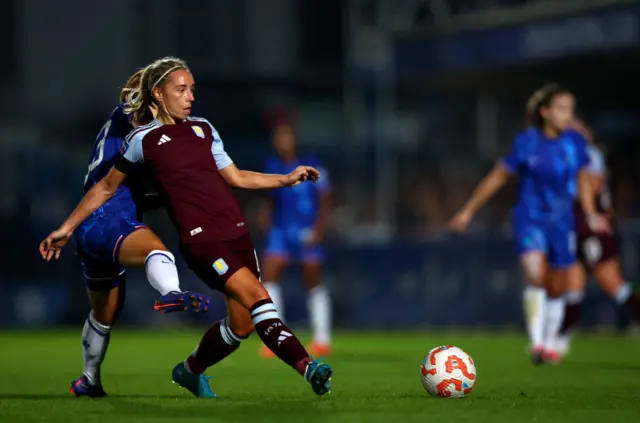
{"x": 318, "y": 349}
{"x": 552, "y": 356}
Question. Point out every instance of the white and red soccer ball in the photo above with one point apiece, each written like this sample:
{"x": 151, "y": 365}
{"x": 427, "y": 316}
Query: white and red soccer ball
{"x": 449, "y": 372}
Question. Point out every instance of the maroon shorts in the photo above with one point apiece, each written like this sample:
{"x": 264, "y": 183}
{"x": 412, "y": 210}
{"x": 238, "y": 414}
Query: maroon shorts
{"x": 214, "y": 262}
{"x": 596, "y": 248}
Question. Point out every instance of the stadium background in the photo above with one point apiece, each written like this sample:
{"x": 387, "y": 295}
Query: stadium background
{"x": 408, "y": 102}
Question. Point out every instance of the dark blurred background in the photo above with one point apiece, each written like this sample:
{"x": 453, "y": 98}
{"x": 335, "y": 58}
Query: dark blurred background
{"x": 408, "y": 103}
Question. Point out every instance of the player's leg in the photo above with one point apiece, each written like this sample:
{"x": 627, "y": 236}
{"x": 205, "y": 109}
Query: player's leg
{"x": 276, "y": 260}
{"x": 531, "y": 247}
{"x": 245, "y": 288}
{"x": 106, "y": 292}
{"x": 274, "y": 266}
{"x": 218, "y": 342}
{"x": 609, "y": 277}
{"x": 589, "y": 252}
{"x": 319, "y": 302}
{"x": 233, "y": 268}
{"x": 140, "y": 247}
{"x": 573, "y": 297}
{"x": 564, "y": 272}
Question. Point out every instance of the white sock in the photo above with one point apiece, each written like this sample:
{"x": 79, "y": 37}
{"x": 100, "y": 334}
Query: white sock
{"x": 320, "y": 314}
{"x": 95, "y": 340}
{"x": 275, "y": 292}
{"x": 534, "y": 312}
{"x": 622, "y": 294}
{"x": 553, "y": 322}
{"x": 162, "y": 273}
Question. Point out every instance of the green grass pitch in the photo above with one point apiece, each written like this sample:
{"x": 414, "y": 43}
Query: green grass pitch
{"x": 376, "y": 379}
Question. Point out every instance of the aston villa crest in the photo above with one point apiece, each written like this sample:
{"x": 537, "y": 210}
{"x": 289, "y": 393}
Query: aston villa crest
{"x": 199, "y": 132}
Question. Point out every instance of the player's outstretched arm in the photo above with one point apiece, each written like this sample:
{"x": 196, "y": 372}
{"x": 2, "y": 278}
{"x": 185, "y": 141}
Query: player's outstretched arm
{"x": 95, "y": 198}
{"x": 486, "y": 189}
{"x": 253, "y": 180}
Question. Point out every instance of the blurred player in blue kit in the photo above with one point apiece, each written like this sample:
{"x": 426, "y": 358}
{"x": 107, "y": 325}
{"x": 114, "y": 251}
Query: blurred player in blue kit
{"x": 550, "y": 159}
{"x": 298, "y": 220}
{"x": 112, "y": 239}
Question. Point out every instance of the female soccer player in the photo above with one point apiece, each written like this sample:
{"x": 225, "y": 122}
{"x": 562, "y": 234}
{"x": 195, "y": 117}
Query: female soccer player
{"x": 550, "y": 159}
{"x": 598, "y": 253}
{"x": 194, "y": 175}
{"x": 112, "y": 239}
{"x": 298, "y": 222}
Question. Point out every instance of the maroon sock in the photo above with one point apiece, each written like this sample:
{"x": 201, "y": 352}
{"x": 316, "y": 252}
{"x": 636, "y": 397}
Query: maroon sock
{"x": 633, "y": 305}
{"x": 572, "y": 313}
{"x": 216, "y": 344}
{"x": 278, "y": 337}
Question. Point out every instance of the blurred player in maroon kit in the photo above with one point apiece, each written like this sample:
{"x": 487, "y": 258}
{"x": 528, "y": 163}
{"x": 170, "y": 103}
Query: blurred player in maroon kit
{"x": 599, "y": 253}
{"x": 193, "y": 174}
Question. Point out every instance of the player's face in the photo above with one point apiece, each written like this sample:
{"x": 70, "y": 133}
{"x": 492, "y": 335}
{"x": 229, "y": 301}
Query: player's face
{"x": 284, "y": 140}
{"x": 178, "y": 94}
{"x": 560, "y": 113}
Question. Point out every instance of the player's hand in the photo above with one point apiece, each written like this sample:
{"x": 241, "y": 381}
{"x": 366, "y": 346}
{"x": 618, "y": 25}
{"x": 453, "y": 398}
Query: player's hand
{"x": 598, "y": 223}
{"x": 460, "y": 221}
{"x": 301, "y": 174}
{"x": 52, "y": 245}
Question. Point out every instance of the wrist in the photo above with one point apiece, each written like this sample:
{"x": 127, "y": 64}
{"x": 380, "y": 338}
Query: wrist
{"x": 68, "y": 227}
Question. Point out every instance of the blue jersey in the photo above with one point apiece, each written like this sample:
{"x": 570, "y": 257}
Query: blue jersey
{"x": 548, "y": 173}
{"x": 100, "y": 236}
{"x": 295, "y": 211}
{"x": 106, "y": 149}
{"x": 297, "y": 208}
{"x": 543, "y": 216}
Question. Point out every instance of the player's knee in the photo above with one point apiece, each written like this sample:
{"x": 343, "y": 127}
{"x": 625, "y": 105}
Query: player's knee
{"x": 246, "y": 288}
{"x": 105, "y": 315}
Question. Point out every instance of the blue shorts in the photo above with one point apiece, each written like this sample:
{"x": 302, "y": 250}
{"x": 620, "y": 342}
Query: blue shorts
{"x": 556, "y": 239}
{"x": 99, "y": 239}
{"x": 290, "y": 245}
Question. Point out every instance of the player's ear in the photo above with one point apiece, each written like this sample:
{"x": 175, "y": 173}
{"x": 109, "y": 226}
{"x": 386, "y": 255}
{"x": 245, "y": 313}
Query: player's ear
{"x": 157, "y": 94}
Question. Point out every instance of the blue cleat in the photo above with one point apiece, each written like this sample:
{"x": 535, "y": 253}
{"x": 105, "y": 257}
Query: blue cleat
{"x": 82, "y": 388}
{"x": 198, "y": 385}
{"x": 182, "y": 301}
{"x": 319, "y": 376}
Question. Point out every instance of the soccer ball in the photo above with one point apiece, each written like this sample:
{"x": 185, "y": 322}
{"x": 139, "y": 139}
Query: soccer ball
{"x": 447, "y": 371}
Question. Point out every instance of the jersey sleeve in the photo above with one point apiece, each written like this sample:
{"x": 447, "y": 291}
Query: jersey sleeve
{"x": 514, "y": 158}
{"x": 131, "y": 154}
{"x": 596, "y": 161}
{"x": 217, "y": 148}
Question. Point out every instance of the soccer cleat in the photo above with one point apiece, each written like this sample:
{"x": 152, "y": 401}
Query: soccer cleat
{"x": 552, "y": 357}
{"x": 320, "y": 350}
{"x": 265, "y": 352}
{"x": 182, "y": 301}
{"x": 537, "y": 356}
{"x": 197, "y": 384}
{"x": 319, "y": 376}
{"x": 82, "y": 388}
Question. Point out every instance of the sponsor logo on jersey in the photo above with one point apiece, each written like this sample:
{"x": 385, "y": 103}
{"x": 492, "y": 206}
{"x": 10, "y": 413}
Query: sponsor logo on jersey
{"x": 164, "y": 139}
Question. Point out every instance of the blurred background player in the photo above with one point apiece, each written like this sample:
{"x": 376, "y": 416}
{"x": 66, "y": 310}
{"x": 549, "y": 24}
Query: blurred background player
{"x": 112, "y": 239}
{"x": 298, "y": 220}
{"x": 194, "y": 176}
{"x": 598, "y": 252}
{"x": 550, "y": 159}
